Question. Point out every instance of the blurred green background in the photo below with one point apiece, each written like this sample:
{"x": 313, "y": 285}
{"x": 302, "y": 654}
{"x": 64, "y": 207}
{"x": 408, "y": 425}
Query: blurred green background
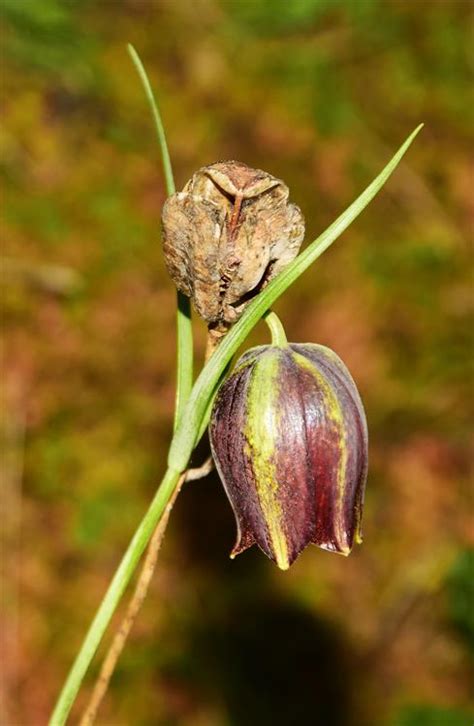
{"x": 319, "y": 93}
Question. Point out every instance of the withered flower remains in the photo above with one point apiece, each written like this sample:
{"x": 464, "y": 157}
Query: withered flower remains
{"x": 228, "y": 233}
{"x": 289, "y": 438}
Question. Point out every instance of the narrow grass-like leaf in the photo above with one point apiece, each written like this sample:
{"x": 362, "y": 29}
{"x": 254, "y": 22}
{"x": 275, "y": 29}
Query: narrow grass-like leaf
{"x": 184, "y": 333}
{"x": 160, "y": 131}
{"x": 185, "y": 436}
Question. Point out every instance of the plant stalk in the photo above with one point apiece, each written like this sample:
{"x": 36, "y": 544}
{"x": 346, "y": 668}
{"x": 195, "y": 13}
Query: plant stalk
{"x": 277, "y": 330}
{"x": 141, "y": 589}
{"x": 113, "y": 595}
{"x": 190, "y": 423}
{"x": 120, "y": 638}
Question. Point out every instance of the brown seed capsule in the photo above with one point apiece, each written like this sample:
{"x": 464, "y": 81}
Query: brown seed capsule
{"x": 228, "y": 233}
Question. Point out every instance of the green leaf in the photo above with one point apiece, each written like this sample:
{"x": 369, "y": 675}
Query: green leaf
{"x": 186, "y": 433}
{"x": 160, "y": 131}
{"x": 184, "y": 332}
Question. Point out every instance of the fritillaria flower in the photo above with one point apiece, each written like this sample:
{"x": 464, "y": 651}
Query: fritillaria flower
{"x": 289, "y": 438}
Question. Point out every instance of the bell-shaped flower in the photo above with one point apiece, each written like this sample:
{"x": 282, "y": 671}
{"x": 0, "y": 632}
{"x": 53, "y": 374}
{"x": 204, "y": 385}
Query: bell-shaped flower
{"x": 289, "y": 438}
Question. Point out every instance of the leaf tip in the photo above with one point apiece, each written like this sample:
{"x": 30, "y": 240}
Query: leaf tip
{"x": 415, "y": 132}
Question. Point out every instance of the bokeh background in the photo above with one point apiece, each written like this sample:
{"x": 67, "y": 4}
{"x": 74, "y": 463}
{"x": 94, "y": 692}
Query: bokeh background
{"x": 319, "y": 93}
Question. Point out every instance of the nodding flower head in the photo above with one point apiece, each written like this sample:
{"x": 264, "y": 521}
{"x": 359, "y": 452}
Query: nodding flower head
{"x": 289, "y": 438}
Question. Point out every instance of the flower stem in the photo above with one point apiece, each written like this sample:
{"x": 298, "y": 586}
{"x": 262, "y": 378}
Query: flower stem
{"x": 136, "y": 601}
{"x": 141, "y": 589}
{"x": 184, "y": 355}
{"x": 277, "y": 330}
{"x": 113, "y": 596}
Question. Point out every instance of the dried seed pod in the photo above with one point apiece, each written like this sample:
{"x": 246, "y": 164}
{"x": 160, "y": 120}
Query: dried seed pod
{"x": 289, "y": 438}
{"x": 228, "y": 233}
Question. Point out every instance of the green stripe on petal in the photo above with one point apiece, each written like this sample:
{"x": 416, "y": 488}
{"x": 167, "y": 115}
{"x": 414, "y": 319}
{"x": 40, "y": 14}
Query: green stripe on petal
{"x": 261, "y": 433}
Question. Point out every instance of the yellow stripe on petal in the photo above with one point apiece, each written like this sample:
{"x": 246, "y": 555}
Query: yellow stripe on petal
{"x": 261, "y": 433}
